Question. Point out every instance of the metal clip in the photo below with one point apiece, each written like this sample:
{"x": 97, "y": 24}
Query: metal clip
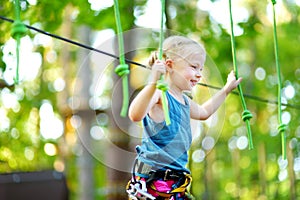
{"x": 143, "y": 194}
{"x": 166, "y": 174}
{"x": 138, "y": 191}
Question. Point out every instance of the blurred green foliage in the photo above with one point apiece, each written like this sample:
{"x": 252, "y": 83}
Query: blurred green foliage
{"x": 228, "y": 170}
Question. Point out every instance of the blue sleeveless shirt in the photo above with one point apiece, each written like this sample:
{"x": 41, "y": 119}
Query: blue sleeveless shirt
{"x": 165, "y": 147}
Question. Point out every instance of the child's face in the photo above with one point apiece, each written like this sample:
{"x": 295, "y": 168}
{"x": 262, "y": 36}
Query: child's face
{"x": 188, "y": 70}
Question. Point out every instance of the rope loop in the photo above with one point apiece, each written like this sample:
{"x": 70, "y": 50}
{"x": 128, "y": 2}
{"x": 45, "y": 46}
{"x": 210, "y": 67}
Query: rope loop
{"x": 246, "y": 115}
{"x": 281, "y": 128}
{"x": 18, "y": 29}
{"x": 162, "y": 85}
{"x": 122, "y": 70}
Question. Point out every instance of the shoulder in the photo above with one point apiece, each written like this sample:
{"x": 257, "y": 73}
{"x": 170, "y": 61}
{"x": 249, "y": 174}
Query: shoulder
{"x": 187, "y": 98}
{"x": 190, "y": 100}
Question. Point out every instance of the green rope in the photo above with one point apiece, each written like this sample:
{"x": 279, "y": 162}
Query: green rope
{"x": 281, "y": 127}
{"x": 18, "y": 30}
{"x": 123, "y": 69}
{"x": 246, "y": 115}
{"x": 161, "y": 36}
{"x": 161, "y": 84}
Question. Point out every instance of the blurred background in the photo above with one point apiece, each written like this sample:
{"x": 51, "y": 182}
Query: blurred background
{"x": 60, "y": 126}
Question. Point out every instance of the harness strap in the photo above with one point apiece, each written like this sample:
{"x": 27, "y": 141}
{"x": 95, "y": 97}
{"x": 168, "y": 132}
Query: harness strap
{"x": 143, "y": 168}
{"x": 180, "y": 189}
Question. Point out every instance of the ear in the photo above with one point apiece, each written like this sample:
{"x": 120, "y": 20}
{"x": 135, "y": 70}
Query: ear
{"x": 169, "y": 65}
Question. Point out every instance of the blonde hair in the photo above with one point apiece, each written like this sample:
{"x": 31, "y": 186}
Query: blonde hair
{"x": 178, "y": 47}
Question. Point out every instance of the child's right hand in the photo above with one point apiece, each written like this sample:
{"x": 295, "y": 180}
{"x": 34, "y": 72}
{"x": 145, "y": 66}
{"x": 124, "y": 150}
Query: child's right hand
{"x": 158, "y": 69}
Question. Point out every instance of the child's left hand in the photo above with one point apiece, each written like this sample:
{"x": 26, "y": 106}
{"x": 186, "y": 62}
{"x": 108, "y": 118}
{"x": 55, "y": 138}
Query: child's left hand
{"x": 232, "y": 82}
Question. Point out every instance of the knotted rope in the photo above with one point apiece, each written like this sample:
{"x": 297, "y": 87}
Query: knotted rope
{"x": 122, "y": 69}
{"x": 17, "y": 32}
{"x": 281, "y": 127}
{"x": 161, "y": 84}
{"x": 246, "y": 115}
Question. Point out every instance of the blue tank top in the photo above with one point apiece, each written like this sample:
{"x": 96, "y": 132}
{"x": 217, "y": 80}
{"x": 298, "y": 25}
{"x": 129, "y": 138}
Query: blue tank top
{"x": 165, "y": 147}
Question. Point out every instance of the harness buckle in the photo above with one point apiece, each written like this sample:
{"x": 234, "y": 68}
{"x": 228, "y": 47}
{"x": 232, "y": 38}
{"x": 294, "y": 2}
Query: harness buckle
{"x": 166, "y": 174}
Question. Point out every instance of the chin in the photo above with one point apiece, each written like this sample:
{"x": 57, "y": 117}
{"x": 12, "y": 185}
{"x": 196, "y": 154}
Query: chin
{"x": 189, "y": 89}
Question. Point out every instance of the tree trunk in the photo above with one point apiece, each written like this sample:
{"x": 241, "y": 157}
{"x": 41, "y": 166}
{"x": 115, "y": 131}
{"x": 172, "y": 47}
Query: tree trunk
{"x": 81, "y": 92}
{"x": 119, "y": 137}
{"x": 262, "y": 168}
{"x": 237, "y": 172}
{"x": 292, "y": 178}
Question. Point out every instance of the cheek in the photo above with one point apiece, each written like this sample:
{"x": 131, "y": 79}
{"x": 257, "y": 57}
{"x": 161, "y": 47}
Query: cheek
{"x": 181, "y": 77}
{"x": 184, "y": 74}
{"x": 188, "y": 74}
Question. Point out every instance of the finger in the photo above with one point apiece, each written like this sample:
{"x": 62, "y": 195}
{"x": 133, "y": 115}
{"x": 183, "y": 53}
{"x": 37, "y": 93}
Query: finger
{"x": 239, "y": 80}
{"x": 231, "y": 74}
{"x": 155, "y": 55}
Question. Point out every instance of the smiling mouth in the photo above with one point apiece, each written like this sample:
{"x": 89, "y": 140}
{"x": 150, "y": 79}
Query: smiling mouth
{"x": 194, "y": 82}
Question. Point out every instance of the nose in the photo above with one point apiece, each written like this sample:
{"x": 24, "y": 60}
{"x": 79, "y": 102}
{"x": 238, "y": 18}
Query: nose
{"x": 198, "y": 74}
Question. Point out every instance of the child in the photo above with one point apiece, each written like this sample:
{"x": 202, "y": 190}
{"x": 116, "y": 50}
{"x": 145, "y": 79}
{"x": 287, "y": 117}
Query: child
{"x": 160, "y": 169}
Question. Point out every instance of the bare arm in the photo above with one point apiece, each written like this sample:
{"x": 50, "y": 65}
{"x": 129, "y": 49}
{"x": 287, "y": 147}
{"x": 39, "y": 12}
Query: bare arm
{"x": 143, "y": 102}
{"x": 202, "y": 112}
{"x": 149, "y": 96}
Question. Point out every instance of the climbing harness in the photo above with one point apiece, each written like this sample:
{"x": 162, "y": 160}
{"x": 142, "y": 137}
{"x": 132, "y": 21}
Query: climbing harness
{"x": 17, "y": 32}
{"x": 122, "y": 69}
{"x": 281, "y": 127}
{"x": 149, "y": 183}
{"x": 246, "y": 115}
{"x": 161, "y": 84}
